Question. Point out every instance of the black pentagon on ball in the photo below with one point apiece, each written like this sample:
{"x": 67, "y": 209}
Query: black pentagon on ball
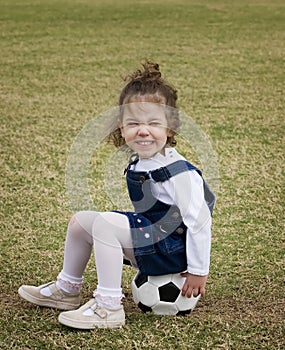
{"x": 169, "y": 292}
{"x": 183, "y": 312}
{"x": 144, "y": 308}
{"x": 140, "y": 279}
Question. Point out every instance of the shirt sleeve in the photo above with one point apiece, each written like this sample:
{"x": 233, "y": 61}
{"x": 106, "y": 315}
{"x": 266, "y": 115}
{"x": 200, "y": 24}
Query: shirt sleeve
{"x": 188, "y": 195}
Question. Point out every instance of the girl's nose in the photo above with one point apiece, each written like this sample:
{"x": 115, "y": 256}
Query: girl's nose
{"x": 143, "y": 130}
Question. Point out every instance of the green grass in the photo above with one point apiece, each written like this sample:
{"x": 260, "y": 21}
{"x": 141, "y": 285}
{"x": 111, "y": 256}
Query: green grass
{"x": 61, "y": 65}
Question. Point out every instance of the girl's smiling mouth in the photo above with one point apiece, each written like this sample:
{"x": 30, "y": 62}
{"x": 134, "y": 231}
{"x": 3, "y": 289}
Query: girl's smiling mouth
{"x": 144, "y": 143}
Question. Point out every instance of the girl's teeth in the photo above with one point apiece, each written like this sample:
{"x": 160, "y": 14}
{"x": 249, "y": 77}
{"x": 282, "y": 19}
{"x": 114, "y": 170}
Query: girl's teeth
{"x": 144, "y": 143}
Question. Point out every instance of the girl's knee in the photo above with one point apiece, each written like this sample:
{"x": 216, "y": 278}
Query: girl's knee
{"x": 82, "y": 222}
{"x": 74, "y": 228}
{"x": 72, "y": 221}
{"x": 75, "y": 219}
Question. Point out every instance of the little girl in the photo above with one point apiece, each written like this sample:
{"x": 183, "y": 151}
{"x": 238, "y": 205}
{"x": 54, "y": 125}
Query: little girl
{"x": 170, "y": 230}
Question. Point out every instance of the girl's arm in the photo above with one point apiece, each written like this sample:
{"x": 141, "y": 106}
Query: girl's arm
{"x": 188, "y": 194}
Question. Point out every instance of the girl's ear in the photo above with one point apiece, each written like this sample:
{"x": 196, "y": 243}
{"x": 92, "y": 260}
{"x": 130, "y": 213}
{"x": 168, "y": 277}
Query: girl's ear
{"x": 122, "y": 131}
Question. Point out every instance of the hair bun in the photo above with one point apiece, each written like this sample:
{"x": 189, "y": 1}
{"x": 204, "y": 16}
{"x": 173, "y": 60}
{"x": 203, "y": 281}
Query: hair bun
{"x": 149, "y": 73}
{"x": 151, "y": 69}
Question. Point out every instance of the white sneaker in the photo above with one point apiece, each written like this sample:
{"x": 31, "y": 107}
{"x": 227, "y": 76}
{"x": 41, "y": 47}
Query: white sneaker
{"x": 58, "y": 298}
{"x": 90, "y": 316}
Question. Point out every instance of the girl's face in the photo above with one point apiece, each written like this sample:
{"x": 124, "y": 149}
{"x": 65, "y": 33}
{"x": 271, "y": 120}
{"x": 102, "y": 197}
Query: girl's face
{"x": 144, "y": 128}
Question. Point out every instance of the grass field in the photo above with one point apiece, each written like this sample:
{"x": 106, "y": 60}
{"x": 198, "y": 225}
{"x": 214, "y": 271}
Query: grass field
{"x": 61, "y": 65}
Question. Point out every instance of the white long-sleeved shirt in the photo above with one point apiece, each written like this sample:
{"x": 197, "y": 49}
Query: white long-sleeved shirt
{"x": 185, "y": 190}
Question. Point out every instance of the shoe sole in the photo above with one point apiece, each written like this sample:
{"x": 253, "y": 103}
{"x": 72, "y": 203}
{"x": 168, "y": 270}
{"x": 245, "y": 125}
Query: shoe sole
{"x": 46, "y": 303}
{"x": 88, "y": 325}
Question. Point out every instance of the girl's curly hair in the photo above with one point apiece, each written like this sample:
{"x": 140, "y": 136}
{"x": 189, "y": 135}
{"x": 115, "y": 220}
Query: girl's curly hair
{"x": 147, "y": 85}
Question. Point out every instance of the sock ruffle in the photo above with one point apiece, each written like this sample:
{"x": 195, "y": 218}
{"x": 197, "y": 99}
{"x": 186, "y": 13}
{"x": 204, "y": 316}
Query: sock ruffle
{"x": 108, "y": 301}
{"x": 69, "y": 287}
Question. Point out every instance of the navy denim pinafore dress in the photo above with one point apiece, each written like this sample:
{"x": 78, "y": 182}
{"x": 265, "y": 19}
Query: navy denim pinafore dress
{"x": 157, "y": 229}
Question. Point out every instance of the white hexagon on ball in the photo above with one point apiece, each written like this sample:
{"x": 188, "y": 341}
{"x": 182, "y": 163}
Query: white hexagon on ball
{"x": 148, "y": 294}
{"x": 164, "y": 308}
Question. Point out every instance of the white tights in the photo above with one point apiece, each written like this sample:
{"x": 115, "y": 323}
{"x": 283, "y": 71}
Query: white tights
{"x": 109, "y": 233}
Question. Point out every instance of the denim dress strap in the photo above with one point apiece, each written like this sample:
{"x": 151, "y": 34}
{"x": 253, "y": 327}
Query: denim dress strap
{"x": 166, "y": 172}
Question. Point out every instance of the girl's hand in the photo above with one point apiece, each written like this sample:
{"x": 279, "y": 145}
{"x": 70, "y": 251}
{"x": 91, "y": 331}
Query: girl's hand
{"x": 194, "y": 284}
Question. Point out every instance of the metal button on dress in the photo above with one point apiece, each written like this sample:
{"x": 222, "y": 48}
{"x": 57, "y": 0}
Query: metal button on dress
{"x": 180, "y": 230}
{"x": 175, "y": 215}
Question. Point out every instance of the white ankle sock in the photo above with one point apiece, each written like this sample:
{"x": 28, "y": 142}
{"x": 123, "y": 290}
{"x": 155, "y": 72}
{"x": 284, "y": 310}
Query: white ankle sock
{"x": 112, "y": 301}
{"x": 68, "y": 283}
{"x": 61, "y": 286}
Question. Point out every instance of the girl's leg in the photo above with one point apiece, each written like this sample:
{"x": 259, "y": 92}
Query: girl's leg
{"x": 64, "y": 293}
{"x": 112, "y": 240}
{"x": 78, "y": 248}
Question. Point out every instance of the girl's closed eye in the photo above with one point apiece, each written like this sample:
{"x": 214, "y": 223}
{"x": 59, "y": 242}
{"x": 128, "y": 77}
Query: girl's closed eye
{"x": 131, "y": 123}
{"x": 155, "y": 123}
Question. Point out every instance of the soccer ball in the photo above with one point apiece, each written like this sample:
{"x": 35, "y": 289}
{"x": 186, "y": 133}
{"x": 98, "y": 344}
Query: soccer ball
{"x": 162, "y": 294}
